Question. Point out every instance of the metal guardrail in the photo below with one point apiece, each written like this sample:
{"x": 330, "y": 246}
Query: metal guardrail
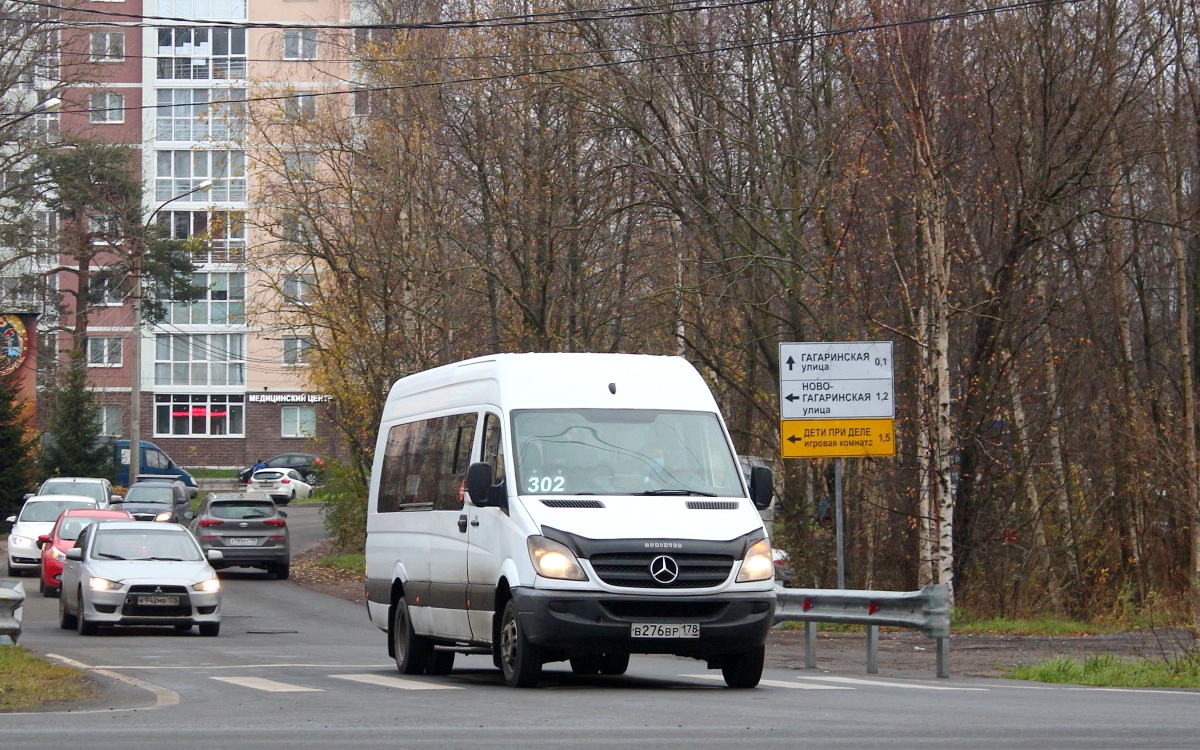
{"x": 12, "y": 600}
{"x": 927, "y": 610}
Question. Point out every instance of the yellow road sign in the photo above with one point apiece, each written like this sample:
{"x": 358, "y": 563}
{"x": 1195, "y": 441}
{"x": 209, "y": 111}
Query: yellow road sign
{"x": 837, "y": 438}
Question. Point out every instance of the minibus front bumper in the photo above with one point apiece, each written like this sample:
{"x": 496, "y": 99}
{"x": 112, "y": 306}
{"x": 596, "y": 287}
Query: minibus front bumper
{"x": 574, "y": 622}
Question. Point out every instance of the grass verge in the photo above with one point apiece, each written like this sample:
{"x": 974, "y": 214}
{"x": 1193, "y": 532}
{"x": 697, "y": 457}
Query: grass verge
{"x": 1106, "y": 670}
{"x": 28, "y": 681}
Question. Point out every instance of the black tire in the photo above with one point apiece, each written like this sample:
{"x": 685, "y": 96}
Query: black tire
{"x": 41, "y": 586}
{"x": 413, "y": 652}
{"x": 586, "y": 664}
{"x": 614, "y": 664}
{"x": 310, "y": 479}
{"x": 744, "y": 670}
{"x": 282, "y": 571}
{"x": 183, "y": 627}
{"x": 520, "y": 660}
{"x": 65, "y": 621}
{"x": 81, "y": 622}
{"x": 52, "y": 592}
{"x": 442, "y": 662}
{"x": 210, "y": 629}
{"x": 15, "y": 572}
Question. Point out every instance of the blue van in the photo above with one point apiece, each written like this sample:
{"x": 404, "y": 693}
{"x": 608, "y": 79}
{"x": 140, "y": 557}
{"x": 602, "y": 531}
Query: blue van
{"x": 153, "y": 461}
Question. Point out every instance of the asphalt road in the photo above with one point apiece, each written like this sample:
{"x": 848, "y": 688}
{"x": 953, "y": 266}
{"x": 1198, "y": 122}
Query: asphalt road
{"x": 298, "y": 669}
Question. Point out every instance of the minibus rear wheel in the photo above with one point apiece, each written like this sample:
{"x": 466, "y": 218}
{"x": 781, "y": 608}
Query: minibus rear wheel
{"x": 412, "y": 651}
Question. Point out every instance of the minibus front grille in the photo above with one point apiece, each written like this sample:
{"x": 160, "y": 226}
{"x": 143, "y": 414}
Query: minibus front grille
{"x": 672, "y": 610}
{"x": 633, "y": 570}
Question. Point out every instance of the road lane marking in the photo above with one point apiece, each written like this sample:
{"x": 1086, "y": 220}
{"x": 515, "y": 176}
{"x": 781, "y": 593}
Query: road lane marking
{"x": 270, "y": 686}
{"x": 394, "y": 682}
{"x": 771, "y": 683}
{"x": 881, "y": 683}
{"x": 163, "y": 697}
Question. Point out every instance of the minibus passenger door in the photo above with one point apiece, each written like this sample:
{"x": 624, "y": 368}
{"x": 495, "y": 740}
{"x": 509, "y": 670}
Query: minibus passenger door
{"x": 485, "y": 519}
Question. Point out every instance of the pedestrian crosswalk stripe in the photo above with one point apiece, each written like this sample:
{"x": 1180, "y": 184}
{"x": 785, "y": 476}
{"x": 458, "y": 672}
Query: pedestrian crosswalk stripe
{"x": 399, "y": 683}
{"x": 772, "y": 683}
{"x": 270, "y": 686}
{"x": 881, "y": 683}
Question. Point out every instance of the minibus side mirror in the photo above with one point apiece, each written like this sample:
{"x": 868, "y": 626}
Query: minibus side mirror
{"x": 762, "y": 487}
{"x": 479, "y": 486}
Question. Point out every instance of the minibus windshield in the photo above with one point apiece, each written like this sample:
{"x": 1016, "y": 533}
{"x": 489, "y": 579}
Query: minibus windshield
{"x": 623, "y": 452}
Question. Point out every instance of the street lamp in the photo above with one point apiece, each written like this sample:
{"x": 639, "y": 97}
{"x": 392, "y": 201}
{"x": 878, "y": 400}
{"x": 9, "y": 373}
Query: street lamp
{"x": 135, "y": 349}
{"x": 53, "y": 104}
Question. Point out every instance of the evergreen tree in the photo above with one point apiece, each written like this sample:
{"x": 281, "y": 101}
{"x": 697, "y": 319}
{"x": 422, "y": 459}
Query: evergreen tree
{"x": 73, "y": 447}
{"x": 16, "y": 448}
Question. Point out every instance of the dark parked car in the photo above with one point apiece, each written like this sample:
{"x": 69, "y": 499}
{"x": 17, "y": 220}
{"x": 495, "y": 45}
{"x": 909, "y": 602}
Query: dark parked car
{"x": 309, "y": 466}
{"x": 248, "y": 529}
{"x": 158, "y": 500}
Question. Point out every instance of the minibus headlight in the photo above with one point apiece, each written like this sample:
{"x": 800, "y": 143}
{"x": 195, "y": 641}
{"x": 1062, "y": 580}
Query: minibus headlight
{"x": 757, "y": 565}
{"x": 554, "y": 560}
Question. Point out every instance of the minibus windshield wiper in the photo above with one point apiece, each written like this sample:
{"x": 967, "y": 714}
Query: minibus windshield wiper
{"x": 677, "y": 492}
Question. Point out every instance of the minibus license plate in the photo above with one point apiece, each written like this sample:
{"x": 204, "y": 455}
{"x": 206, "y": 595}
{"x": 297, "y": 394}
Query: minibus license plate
{"x": 158, "y": 601}
{"x": 665, "y": 630}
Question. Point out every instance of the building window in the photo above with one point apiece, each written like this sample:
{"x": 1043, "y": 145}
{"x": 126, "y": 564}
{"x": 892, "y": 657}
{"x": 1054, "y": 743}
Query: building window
{"x": 300, "y": 44}
{"x": 200, "y": 359}
{"x": 298, "y": 421}
{"x": 107, "y": 46}
{"x": 191, "y": 53}
{"x": 107, "y": 107}
{"x": 300, "y": 166}
{"x": 296, "y": 349}
{"x": 298, "y": 288}
{"x": 107, "y": 289}
{"x": 224, "y": 302}
{"x": 300, "y": 107}
{"x": 225, "y": 10}
{"x": 112, "y": 420}
{"x": 362, "y": 102}
{"x": 201, "y": 114}
{"x": 182, "y": 171}
{"x": 104, "y": 351}
{"x": 178, "y": 415}
{"x": 218, "y": 236}
{"x": 297, "y": 230}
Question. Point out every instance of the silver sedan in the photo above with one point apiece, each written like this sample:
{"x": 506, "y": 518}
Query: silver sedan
{"x": 131, "y": 573}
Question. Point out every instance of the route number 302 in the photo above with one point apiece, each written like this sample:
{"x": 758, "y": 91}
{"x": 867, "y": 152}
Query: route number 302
{"x": 545, "y": 484}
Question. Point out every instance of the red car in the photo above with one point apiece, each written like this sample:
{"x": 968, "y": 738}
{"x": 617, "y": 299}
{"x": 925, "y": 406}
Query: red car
{"x": 62, "y": 537}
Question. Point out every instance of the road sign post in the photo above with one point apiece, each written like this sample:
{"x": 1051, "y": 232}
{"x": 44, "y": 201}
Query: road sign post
{"x": 837, "y": 400}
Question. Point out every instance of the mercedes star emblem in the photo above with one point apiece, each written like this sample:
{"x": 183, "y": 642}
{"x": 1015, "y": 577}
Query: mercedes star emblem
{"x": 664, "y": 569}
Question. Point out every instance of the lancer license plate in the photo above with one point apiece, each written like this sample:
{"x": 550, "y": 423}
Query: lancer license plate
{"x": 158, "y": 601}
{"x": 241, "y": 541}
{"x": 665, "y": 630}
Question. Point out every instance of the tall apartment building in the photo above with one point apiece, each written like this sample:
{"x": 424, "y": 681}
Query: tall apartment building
{"x": 222, "y": 378}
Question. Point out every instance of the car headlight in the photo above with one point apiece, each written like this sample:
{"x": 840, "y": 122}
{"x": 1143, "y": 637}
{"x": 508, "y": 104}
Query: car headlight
{"x": 211, "y": 586}
{"x": 554, "y": 560}
{"x": 164, "y": 516}
{"x": 757, "y": 564}
{"x": 57, "y": 554}
{"x": 20, "y": 541}
{"x": 96, "y": 583}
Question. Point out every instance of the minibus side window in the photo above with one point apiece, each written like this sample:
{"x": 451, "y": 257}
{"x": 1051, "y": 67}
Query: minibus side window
{"x": 425, "y": 464}
{"x": 493, "y": 447}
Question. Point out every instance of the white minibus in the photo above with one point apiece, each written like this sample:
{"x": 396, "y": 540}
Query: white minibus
{"x": 565, "y": 507}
